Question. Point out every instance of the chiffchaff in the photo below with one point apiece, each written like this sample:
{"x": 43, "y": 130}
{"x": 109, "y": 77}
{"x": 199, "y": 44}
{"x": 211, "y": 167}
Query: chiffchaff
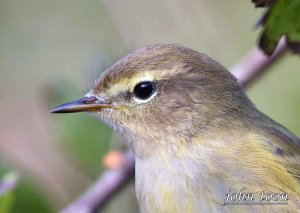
{"x": 200, "y": 144}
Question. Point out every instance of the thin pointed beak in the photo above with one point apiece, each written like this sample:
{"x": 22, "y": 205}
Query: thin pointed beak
{"x": 81, "y": 105}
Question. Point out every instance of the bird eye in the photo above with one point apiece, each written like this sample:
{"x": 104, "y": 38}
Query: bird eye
{"x": 144, "y": 90}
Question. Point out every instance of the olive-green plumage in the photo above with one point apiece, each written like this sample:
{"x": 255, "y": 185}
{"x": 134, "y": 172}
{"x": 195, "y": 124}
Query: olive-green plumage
{"x": 197, "y": 136}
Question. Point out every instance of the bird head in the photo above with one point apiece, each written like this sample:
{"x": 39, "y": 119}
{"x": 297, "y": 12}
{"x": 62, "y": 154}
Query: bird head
{"x": 162, "y": 94}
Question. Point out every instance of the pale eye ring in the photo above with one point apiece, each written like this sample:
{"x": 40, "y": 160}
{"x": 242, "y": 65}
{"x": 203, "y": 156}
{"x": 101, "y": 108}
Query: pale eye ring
{"x": 144, "y": 90}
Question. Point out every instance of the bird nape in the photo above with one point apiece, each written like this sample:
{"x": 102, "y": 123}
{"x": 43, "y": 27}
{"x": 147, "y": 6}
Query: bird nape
{"x": 200, "y": 144}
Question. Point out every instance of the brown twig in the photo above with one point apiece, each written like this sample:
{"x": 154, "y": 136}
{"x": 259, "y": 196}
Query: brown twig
{"x": 112, "y": 181}
{"x": 255, "y": 63}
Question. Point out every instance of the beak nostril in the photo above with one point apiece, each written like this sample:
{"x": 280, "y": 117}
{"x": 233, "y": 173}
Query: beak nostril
{"x": 89, "y": 100}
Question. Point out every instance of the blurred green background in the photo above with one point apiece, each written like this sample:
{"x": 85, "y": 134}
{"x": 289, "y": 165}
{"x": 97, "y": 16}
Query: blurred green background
{"x": 52, "y": 51}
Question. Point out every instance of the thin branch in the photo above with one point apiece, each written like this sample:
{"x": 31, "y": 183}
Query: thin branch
{"x": 253, "y": 64}
{"x": 111, "y": 182}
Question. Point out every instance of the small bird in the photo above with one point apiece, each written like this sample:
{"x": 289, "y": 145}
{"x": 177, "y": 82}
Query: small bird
{"x": 200, "y": 144}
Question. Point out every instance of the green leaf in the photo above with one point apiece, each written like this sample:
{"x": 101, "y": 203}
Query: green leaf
{"x": 6, "y": 202}
{"x": 281, "y": 19}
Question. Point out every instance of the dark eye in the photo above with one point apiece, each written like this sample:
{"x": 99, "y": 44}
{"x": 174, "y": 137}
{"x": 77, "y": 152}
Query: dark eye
{"x": 144, "y": 90}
